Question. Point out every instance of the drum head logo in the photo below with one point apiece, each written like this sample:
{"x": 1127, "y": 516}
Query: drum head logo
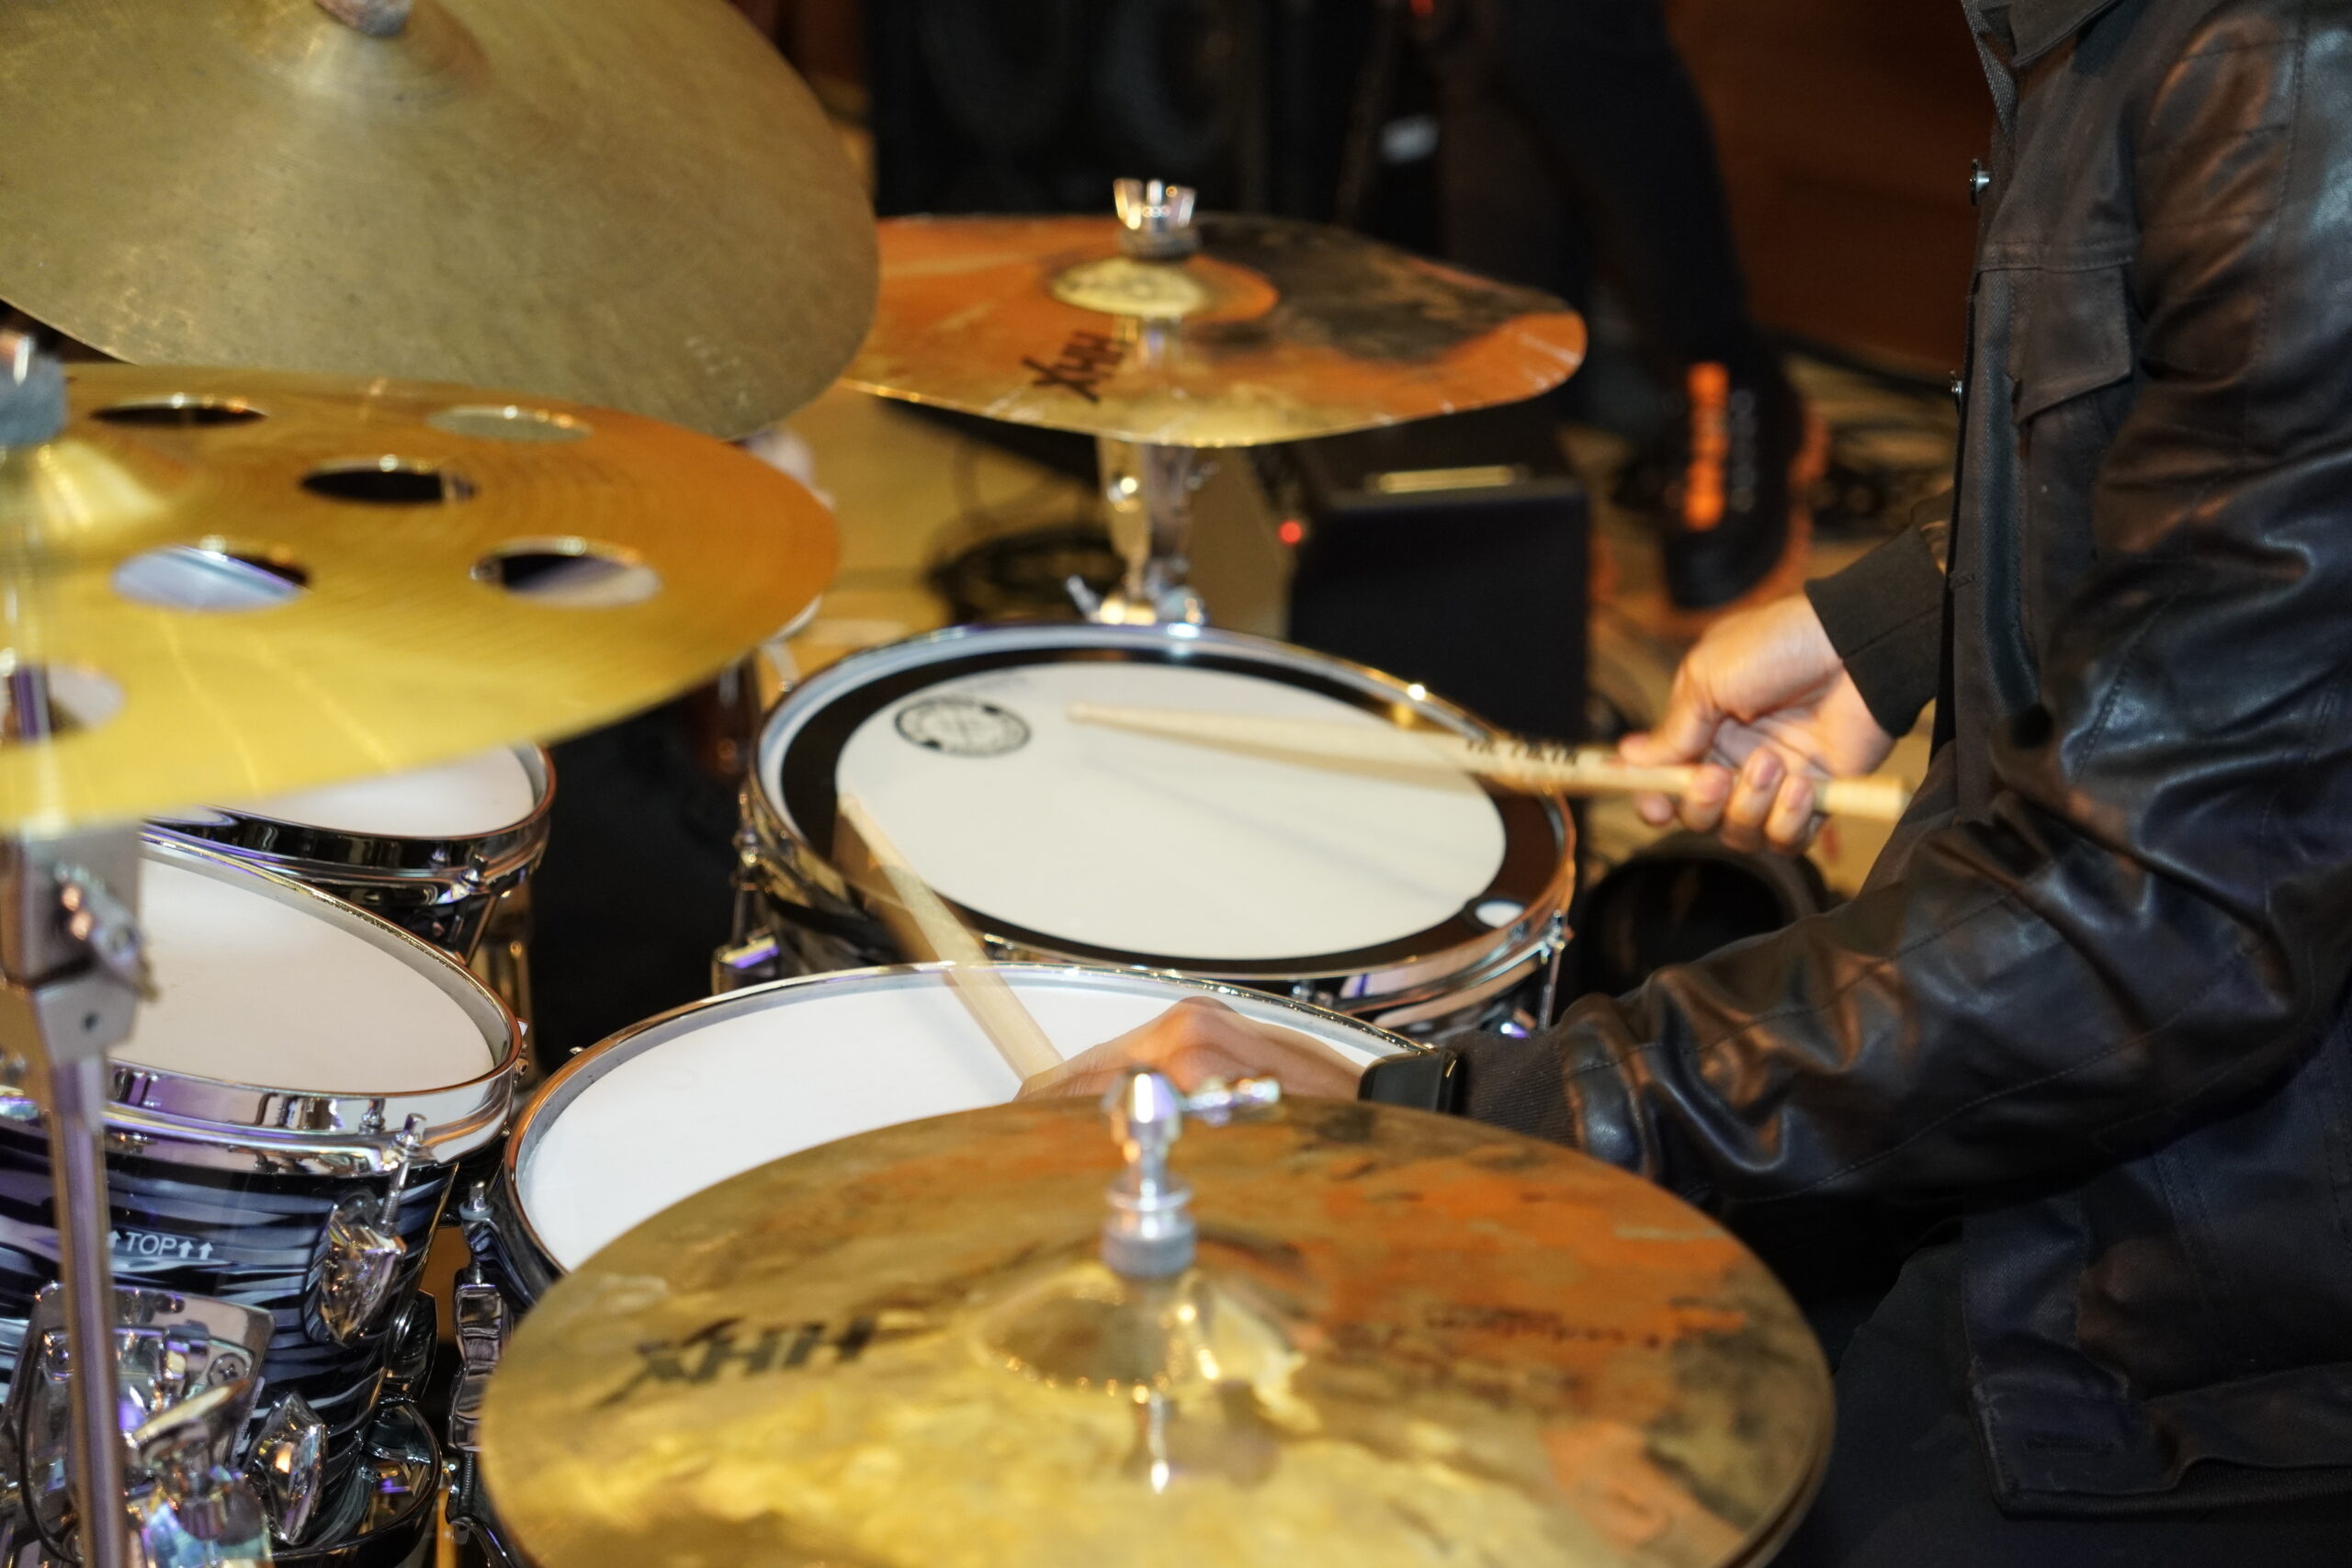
{"x": 963, "y": 727}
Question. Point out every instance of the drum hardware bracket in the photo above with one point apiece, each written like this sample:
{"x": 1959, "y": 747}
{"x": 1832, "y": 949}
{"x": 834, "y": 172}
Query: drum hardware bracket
{"x": 189, "y": 1366}
{"x": 1556, "y": 940}
{"x": 1150, "y": 1234}
{"x": 478, "y": 1310}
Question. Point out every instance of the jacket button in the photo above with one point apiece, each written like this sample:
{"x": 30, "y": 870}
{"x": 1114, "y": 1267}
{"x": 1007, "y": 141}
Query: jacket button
{"x": 1958, "y": 387}
{"x": 1980, "y": 180}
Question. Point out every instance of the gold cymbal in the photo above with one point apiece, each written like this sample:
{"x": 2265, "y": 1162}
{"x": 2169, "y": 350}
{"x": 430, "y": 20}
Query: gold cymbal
{"x": 1407, "y": 1339}
{"x": 1275, "y": 331}
{"x": 632, "y": 204}
{"x": 405, "y": 646}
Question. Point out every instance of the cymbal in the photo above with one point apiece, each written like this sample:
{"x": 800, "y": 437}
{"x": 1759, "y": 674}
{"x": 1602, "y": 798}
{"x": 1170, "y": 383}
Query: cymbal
{"x": 1407, "y": 1339}
{"x": 476, "y": 567}
{"x": 1275, "y": 331}
{"x": 637, "y": 205}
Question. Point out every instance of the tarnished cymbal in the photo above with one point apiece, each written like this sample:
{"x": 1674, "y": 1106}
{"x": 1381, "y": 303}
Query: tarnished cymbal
{"x": 630, "y": 204}
{"x": 1275, "y": 330}
{"x": 1407, "y": 1340}
{"x": 473, "y": 568}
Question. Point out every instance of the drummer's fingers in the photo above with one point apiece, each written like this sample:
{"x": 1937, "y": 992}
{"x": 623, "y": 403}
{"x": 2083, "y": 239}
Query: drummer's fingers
{"x": 1791, "y": 823}
{"x": 1752, "y": 793}
{"x": 1702, "y": 805}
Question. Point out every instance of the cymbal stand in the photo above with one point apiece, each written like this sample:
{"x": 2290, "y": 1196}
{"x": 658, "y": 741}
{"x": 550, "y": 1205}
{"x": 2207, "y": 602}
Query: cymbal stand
{"x": 1148, "y": 488}
{"x": 72, "y": 973}
{"x": 69, "y": 945}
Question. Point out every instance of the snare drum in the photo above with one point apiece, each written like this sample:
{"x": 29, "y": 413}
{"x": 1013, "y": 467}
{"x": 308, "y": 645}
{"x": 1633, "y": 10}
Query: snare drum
{"x": 445, "y": 853}
{"x": 286, "y": 1122}
{"x": 661, "y": 1111}
{"x": 1425, "y": 902}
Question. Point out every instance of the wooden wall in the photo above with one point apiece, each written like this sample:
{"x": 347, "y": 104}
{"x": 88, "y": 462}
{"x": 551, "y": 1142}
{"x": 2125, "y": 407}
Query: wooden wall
{"x": 1847, "y": 128}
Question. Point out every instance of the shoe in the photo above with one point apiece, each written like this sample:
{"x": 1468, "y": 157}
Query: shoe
{"x": 1738, "y": 471}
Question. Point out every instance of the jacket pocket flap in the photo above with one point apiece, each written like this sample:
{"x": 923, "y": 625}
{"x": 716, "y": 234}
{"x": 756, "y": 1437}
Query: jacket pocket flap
{"x": 2073, "y": 336}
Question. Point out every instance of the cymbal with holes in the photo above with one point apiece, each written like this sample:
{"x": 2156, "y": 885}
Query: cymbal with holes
{"x": 638, "y": 206}
{"x": 1275, "y": 330}
{"x": 1407, "y": 1339}
{"x": 241, "y": 582}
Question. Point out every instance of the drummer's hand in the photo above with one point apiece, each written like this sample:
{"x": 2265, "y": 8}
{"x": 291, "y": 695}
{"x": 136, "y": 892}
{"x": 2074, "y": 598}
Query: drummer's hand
{"x": 1763, "y": 693}
{"x": 1202, "y": 1038}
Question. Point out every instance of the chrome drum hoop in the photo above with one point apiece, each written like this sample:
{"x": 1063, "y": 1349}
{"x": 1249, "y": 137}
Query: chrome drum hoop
{"x": 498, "y": 1230}
{"x": 785, "y": 870}
{"x": 440, "y": 890}
{"x": 250, "y": 1126}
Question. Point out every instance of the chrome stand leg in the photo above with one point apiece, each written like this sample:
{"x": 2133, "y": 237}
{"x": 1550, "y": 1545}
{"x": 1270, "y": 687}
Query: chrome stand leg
{"x": 76, "y": 1118}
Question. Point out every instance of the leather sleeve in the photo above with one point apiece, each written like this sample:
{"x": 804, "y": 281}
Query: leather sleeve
{"x": 2153, "y": 917}
{"x": 1884, "y": 614}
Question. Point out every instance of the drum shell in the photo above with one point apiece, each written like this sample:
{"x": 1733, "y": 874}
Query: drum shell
{"x": 498, "y": 1230}
{"x": 796, "y": 914}
{"x": 441, "y": 890}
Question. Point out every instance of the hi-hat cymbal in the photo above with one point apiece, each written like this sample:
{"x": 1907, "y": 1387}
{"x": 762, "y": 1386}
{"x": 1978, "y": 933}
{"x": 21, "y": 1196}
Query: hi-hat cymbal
{"x": 474, "y": 567}
{"x": 633, "y": 204}
{"x": 1407, "y": 1339}
{"x": 1275, "y": 331}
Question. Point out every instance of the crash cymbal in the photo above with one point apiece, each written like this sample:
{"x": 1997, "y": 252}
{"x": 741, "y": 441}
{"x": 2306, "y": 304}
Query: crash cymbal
{"x": 474, "y": 567}
{"x": 633, "y": 204}
{"x": 1407, "y": 1339}
{"x": 1275, "y": 330}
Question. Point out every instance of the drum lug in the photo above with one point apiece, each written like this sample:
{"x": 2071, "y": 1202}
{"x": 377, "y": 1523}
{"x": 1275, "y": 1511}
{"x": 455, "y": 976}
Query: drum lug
{"x": 359, "y": 1265}
{"x": 478, "y": 1310}
{"x": 287, "y": 1467}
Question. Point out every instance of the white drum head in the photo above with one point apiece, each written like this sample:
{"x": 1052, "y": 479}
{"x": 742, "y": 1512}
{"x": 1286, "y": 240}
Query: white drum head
{"x": 260, "y": 990}
{"x": 1111, "y": 846}
{"x": 464, "y": 799}
{"x": 751, "y": 1078}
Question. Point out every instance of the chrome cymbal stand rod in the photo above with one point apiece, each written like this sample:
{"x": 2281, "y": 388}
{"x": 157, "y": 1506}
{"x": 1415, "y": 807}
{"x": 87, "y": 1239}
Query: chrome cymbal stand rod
{"x": 1148, "y": 488}
{"x": 72, "y": 973}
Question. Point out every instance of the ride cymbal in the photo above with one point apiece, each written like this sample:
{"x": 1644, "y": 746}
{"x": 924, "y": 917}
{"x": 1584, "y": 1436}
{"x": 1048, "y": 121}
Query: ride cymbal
{"x": 1275, "y": 330}
{"x": 237, "y": 583}
{"x": 632, "y": 204}
{"x": 1406, "y": 1339}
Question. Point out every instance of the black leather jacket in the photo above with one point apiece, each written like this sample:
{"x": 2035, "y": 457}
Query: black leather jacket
{"x": 2096, "y": 989}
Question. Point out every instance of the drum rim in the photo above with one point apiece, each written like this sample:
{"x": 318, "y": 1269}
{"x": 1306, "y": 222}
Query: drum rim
{"x": 1375, "y": 976}
{"x": 275, "y": 842}
{"x": 576, "y": 1075}
{"x": 159, "y": 1102}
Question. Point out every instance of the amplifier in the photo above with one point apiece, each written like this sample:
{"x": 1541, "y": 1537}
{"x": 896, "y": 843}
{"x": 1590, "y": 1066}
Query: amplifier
{"x": 1449, "y": 551}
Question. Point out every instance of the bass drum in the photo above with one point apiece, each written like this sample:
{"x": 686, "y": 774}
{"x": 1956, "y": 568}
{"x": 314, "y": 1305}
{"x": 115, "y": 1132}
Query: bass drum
{"x": 1427, "y": 902}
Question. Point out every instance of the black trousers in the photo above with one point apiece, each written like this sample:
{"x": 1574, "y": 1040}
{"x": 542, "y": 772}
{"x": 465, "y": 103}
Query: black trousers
{"x": 1572, "y": 134}
{"x": 1907, "y": 1488}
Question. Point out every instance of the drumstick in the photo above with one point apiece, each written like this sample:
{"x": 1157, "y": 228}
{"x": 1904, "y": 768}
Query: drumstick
{"x": 935, "y": 929}
{"x": 1588, "y": 770}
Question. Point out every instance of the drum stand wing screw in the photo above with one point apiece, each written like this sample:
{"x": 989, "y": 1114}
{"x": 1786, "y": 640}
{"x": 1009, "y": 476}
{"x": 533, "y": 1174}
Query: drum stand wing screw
{"x": 1150, "y": 1234}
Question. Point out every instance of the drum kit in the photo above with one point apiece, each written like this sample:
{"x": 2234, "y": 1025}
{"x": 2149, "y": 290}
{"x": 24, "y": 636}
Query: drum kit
{"x": 779, "y": 1277}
